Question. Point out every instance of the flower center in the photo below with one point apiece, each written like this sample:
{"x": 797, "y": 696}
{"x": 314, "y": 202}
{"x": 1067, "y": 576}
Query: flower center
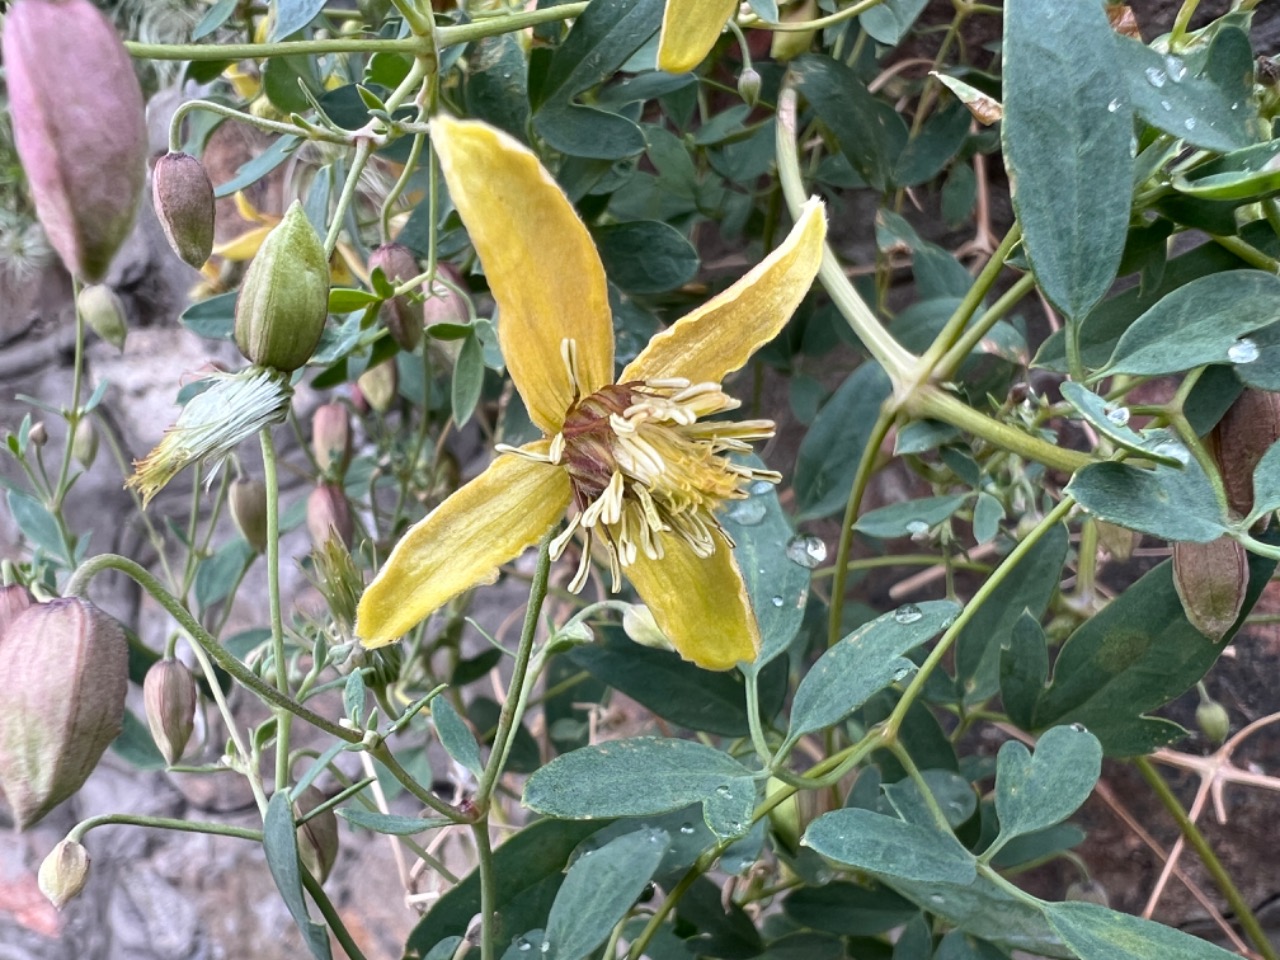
{"x": 644, "y": 467}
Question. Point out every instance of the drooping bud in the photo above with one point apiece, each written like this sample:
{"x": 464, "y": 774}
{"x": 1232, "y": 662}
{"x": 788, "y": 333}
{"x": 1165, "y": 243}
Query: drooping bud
{"x": 38, "y": 435}
{"x": 749, "y": 86}
{"x": 84, "y": 443}
{"x": 1212, "y": 719}
{"x": 639, "y": 624}
{"x": 78, "y": 125}
{"x": 1211, "y": 580}
{"x": 169, "y": 694}
{"x": 318, "y": 837}
{"x": 284, "y": 297}
{"x": 402, "y": 316}
{"x": 378, "y": 385}
{"x": 64, "y": 873}
{"x": 183, "y": 199}
{"x": 445, "y": 301}
{"x": 329, "y": 516}
{"x": 331, "y": 439}
{"x": 103, "y": 310}
{"x": 1246, "y": 431}
{"x": 65, "y": 666}
{"x": 14, "y": 598}
{"x": 249, "y": 511}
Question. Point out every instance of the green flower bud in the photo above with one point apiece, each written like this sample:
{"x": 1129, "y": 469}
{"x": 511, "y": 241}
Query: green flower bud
{"x": 78, "y": 125}
{"x": 170, "y": 696}
{"x": 749, "y": 86}
{"x": 378, "y": 385}
{"x": 331, "y": 439}
{"x": 318, "y": 837}
{"x": 84, "y": 443}
{"x": 249, "y": 511}
{"x": 104, "y": 312}
{"x": 1213, "y": 720}
{"x": 284, "y": 298}
{"x": 64, "y": 873}
{"x": 65, "y": 666}
{"x": 38, "y": 435}
{"x": 329, "y": 516}
{"x": 402, "y": 316}
{"x": 183, "y": 198}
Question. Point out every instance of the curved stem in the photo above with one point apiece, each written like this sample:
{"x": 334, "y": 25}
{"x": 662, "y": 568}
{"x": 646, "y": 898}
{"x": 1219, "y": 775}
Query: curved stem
{"x": 162, "y": 823}
{"x": 956, "y": 355}
{"x": 271, "y": 126}
{"x": 799, "y": 26}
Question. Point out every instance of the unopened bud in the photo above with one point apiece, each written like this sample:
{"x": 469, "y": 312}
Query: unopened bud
{"x": 331, "y": 439}
{"x": 1213, "y": 720}
{"x": 84, "y": 443}
{"x": 169, "y": 694}
{"x": 1246, "y": 431}
{"x": 183, "y": 199}
{"x": 749, "y": 86}
{"x": 318, "y": 837}
{"x": 1212, "y": 580}
{"x": 65, "y": 666}
{"x": 64, "y": 873}
{"x": 14, "y": 598}
{"x": 403, "y": 317}
{"x": 249, "y": 511}
{"x": 103, "y": 310}
{"x": 639, "y": 624}
{"x": 284, "y": 297}
{"x": 38, "y": 435}
{"x": 329, "y": 516}
{"x": 446, "y": 303}
{"x": 378, "y": 385}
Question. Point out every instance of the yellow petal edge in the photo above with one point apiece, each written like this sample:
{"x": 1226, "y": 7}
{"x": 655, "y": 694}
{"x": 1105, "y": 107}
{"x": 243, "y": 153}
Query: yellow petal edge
{"x": 701, "y": 604}
{"x": 540, "y": 261}
{"x": 690, "y": 29}
{"x": 720, "y": 336}
{"x": 461, "y": 543}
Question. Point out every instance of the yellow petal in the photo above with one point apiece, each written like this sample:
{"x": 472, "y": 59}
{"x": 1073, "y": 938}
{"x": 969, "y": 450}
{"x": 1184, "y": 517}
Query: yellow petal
{"x": 700, "y": 604}
{"x": 690, "y": 29}
{"x": 539, "y": 259}
{"x": 244, "y": 246}
{"x": 462, "y": 542}
{"x": 721, "y": 335}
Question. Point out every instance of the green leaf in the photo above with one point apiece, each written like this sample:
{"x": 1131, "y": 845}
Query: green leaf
{"x": 455, "y": 736}
{"x": 390, "y": 825}
{"x": 909, "y": 517}
{"x": 938, "y": 141}
{"x": 1029, "y": 587}
{"x": 496, "y": 84}
{"x": 213, "y": 319}
{"x": 1096, "y": 933}
{"x": 727, "y": 809}
{"x": 37, "y": 525}
{"x": 958, "y": 945}
{"x": 598, "y": 891}
{"x": 136, "y": 745}
{"x": 468, "y": 379}
{"x": 630, "y": 778}
{"x": 1024, "y": 670}
{"x": 1041, "y": 790}
{"x": 889, "y": 847}
{"x": 217, "y": 575}
{"x": 889, "y": 22}
{"x": 527, "y": 873}
{"x": 829, "y": 453}
{"x": 1201, "y": 322}
{"x": 257, "y": 168}
{"x": 280, "y": 841}
{"x": 1165, "y": 502}
{"x": 987, "y": 514}
{"x": 1240, "y": 177}
{"x": 1266, "y": 483}
{"x": 646, "y": 256}
{"x": 864, "y": 662}
{"x": 1112, "y": 422}
{"x": 286, "y": 82}
{"x": 848, "y": 909}
{"x": 213, "y": 18}
{"x": 293, "y": 15}
{"x": 951, "y": 792}
{"x": 353, "y": 698}
{"x": 1067, "y": 146}
{"x": 346, "y": 300}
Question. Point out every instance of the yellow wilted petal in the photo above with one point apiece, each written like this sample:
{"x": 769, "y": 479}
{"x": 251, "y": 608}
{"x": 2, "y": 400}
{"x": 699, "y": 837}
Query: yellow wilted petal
{"x": 721, "y": 335}
{"x": 539, "y": 259}
{"x": 244, "y": 246}
{"x": 700, "y": 604}
{"x": 462, "y": 542}
{"x": 689, "y": 31}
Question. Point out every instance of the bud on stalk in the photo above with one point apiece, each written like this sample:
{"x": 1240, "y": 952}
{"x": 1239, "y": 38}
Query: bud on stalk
{"x": 78, "y": 125}
{"x": 403, "y": 318}
{"x": 284, "y": 298}
{"x": 329, "y": 516}
{"x": 64, "y": 873}
{"x": 331, "y": 439}
{"x": 65, "y": 666}
{"x": 183, "y": 199}
{"x": 445, "y": 302}
{"x": 169, "y": 693}
{"x": 84, "y": 443}
{"x": 1246, "y": 431}
{"x": 1211, "y": 580}
{"x": 104, "y": 312}
{"x": 249, "y": 511}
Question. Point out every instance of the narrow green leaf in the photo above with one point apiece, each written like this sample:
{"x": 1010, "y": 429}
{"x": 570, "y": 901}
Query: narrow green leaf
{"x": 598, "y": 891}
{"x": 455, "y": 736}
{"x": 1096, "y": 933}
{"x": 261, "y": 165}
{"x": 1034, "y": 791}
{"x": 280, "y": 841}
{"x": 1024, "y": 670}
{"x": 213, "y": 319}
{"x": 353, "y": 697}
{"x": 346, "y": 300}
{"x": 390, "y": 825}
{"x": 468, "y": 379}
{"x": 293, "y": 15}
{"x": 864, "y": 662}
{"x": 1112, "y": 422}
{"x": 217, "y": 575}
{"x": 1066, "y": 132}
{"x": 887, "y": 846}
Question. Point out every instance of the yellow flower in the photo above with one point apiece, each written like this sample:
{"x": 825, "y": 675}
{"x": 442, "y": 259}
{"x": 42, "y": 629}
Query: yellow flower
{"x": 690, "y": 29}
{"x": 643, "y": 476}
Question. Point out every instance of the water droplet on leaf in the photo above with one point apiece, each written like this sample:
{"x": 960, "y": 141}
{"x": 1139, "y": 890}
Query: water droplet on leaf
{"x": 1243, "y": 350}
{"x": 777, "y": 601}
{"x": 809, "y": 552}
{"x": 908, "y": 613}
{"x": 1119, "y": 416}
{"x": 1156, "y": 77}
{"x": 686, "y": 829}
{"x": 1114, "y": 105}
{"x": 746, "y": 512}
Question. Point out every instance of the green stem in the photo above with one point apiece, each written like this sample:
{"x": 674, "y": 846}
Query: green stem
{"x": 1181, "y": 22}
{"x": 363, "y": 149}
{"x": 800, "y": 26}
{"x": 284, "y": 718}
{"x": 331, "y": 916}
{"x": 904, "y": 757}
{"x": 1248, "y": 253}
{"x": 271, "y": 126}
{"x": 950, "y": 363}
{"x": 73, "y": 415}
{"x": 1191, "y": 833}
{"x": 488, "y": 888}
{"x": 753, "y": 718}
{"x": 162, "y": 823}
{"x": 903, "y": 560}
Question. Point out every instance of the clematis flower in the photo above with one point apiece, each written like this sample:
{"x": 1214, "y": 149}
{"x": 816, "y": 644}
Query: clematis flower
{"x": 690, "y": 29}
{"x": 640, "y": 471}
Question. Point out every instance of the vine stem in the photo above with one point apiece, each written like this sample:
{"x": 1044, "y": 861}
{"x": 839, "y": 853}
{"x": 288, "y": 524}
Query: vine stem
{"x": 262, "y": 123}
{"x": 1198, "y": 842}
{"x": 488, "y": 888}
{"x": 363, "y": 149}
{"x": 271, "y": 479}
{"x": 162, "y": 823}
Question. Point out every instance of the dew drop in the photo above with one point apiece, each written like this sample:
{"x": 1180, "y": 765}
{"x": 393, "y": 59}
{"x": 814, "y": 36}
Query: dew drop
{"x": 759, "y": 488}
{"x": 901, "y": 674}
{"x": 1189, "y": 123}
{"x": 908, "y": 613}
{"x": 1079, "y": 728}
{"x": 1236, "y": 105}
{"x": 937, "y": 898}
{"x": 1177, "y": 69}
{"x": 724, "y": 791}
{"x": 1243, "y": 350}
{"x": 808, "y": 552}
{"x": 735, "y": 826}
{"x": 1119, "y": 416}
{"x": 1156, "y": 77}
{"x": 746, "y": 512}
{"x": 686, "y": 829}
{"x": 1166, "y": 106}
{"x": 1114, "y": 105}
{"x": 523, "y": 945}
{"x": 545, "y": 946}
{"x": 919, "y": 529}
{"x": 777, "y": 601}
